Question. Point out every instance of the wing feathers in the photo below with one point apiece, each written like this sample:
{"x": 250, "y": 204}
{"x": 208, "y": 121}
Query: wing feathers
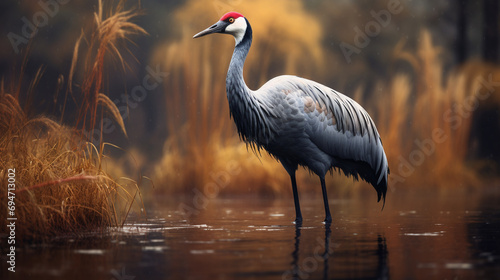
{"x": 337, "y": 125}
{"x": 352, "y": 138}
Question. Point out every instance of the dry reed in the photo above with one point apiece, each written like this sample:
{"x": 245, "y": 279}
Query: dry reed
{"x": 425, "y": 119}
{"x": 61, "y": 184}
{"x": 106, "y": 34}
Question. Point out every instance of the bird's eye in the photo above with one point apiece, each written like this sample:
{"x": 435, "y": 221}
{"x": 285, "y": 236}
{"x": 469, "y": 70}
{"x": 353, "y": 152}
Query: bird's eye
{"x": 231, "y": 20}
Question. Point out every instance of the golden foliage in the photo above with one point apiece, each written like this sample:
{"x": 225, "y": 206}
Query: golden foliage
{"x": 105, "y": 36}
{"x": 61, "y": 186}
{"x": 41, "y": 151}
{"x": 425, "y": 123}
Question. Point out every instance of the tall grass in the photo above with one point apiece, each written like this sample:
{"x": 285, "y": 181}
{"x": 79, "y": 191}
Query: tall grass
{"x": 61, "y": 184}
{"x": 425, "y": 119}
{"x": 202, "y": 138}
{"x": 106, "y": 34}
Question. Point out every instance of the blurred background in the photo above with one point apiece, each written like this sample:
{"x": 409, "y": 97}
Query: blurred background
{"x": 426, "y": 71}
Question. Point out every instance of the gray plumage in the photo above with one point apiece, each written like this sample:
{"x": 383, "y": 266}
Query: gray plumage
{"x": 301, "y": 122}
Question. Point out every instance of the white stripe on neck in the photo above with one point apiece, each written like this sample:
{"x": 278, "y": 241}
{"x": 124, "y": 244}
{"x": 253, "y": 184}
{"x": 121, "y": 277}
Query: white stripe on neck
{"x": 237, "y": 29}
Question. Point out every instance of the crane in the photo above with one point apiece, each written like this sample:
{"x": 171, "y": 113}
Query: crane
{"x": 301, "y": 122}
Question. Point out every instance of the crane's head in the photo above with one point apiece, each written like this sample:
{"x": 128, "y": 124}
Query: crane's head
{"x": 231, "y": 23}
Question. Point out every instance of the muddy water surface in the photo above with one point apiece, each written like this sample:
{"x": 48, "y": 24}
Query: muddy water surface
{"x": 432, "y": 235}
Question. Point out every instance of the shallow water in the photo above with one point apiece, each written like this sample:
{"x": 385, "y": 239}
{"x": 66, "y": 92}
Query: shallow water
{"x": 417, "y": 236}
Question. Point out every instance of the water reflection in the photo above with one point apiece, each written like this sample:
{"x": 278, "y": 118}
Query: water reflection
{"x": 326, "y": 254}
{"x": 382, "y": 253}
{"x": 295, "y": 254}
{"x": 309, "y": 264}
{"x": 255, "y": 239}
{"x": 326, "y": 251}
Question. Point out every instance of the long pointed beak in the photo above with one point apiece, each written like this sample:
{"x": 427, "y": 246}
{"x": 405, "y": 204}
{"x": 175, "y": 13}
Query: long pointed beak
{"x": 218, "y": 27}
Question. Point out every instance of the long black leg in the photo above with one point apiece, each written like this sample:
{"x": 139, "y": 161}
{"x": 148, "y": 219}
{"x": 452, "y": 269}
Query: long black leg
{"x": 328, "y": 218}
{"x": 298, "y": 214}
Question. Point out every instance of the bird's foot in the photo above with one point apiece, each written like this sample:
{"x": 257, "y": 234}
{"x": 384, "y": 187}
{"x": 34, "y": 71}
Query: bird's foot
{"x": 328, "y": 220}
{"x": 298, "y": 221}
